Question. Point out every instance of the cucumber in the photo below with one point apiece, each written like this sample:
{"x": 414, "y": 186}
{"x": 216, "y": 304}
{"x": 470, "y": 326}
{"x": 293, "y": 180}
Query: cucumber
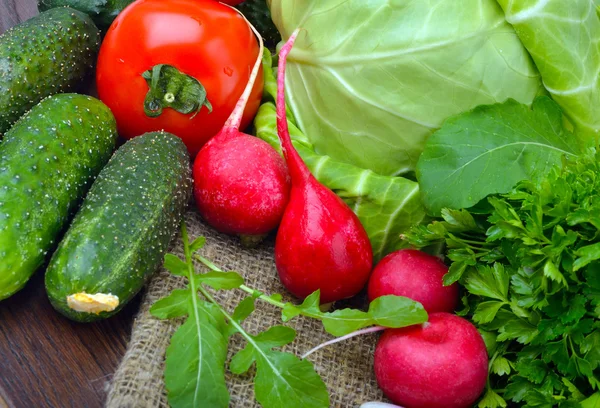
{"x": 258, "y": 14}
{"x": 122, "y": 232}
{"x": 45, "y": 55}
{"x": 48, "y": 160}
{"x": 102, "y": 12}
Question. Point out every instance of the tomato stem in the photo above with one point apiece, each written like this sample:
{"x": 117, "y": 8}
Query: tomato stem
{"x": 171, "y": 88}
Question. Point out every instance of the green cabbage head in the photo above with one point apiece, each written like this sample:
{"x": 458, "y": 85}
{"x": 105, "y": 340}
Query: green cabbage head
{"x": 369, "y": 80}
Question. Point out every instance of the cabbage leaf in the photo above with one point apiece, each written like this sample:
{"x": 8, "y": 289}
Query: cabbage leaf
{"x": 369, "y": 81}
{"x": 386, "y": 206}
{"x": 563, "y": 38}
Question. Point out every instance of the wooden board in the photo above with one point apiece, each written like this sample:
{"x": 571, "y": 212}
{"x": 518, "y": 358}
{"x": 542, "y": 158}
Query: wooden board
{"x": 45, "y": 359}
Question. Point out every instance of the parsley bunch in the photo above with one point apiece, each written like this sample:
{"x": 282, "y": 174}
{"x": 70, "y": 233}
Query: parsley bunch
{"x": 529, "y": 262}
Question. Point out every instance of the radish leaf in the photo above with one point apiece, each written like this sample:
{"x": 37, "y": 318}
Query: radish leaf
{"x": 176, "y": 304}
{"x": 282, "y": 379}
{"x": 388, "y": 311}
{"x": 221, "y": 280}
{"x": 195, "y": 361}
{"x": 175, "y": 265}
{"x": 396, "y": 311}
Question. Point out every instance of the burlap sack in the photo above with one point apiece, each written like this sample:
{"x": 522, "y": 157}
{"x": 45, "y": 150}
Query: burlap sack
{"x": 346, "y": 368}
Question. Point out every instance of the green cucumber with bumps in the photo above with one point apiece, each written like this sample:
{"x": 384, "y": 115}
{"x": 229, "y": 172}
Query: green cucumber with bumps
{"x": 48, "y": 54}
{"x": 48, "y": 161}
{"x": 119, "y": 237}
{"x": 103, "y": 12}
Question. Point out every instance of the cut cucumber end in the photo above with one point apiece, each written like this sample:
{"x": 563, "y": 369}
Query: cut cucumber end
{"x": 92, "y": 303}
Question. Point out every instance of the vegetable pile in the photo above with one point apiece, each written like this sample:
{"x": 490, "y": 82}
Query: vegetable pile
{"x": 440, "y": 157}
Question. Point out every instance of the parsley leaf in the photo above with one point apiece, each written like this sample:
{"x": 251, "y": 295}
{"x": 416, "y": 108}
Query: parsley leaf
{"x": 529, "y": 260}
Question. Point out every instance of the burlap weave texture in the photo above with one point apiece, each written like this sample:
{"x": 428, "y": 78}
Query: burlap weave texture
{"x": 346, "y": 368}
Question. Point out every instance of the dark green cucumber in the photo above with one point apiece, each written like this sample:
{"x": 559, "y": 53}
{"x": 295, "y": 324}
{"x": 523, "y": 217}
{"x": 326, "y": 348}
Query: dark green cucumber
{"x": 48, "y": 161}
{"x": 103, "y": 12}
{"x": 47, "y": 54}
{"x": 123, "y": 229}
{"x": 258, "y": 13}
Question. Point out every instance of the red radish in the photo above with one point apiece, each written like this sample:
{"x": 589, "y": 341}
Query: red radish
{"x": 415, "y": 275}
{"x": 440, "y": 364}
{"x": 241, "y": 184}
{"x": 320, "y": 244}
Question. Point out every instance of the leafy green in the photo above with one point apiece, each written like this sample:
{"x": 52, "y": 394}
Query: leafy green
{"x": 387, "y": 311}
{"x": 386, "y": 206}
{"x": 530, "y": 263}
{"x": 282, "y": 379}
{"x": 490, "y": 149}
{"x": 368, "y": 81}
{"x": 195, "y": 362}
{"x": 196, "y": 356}
{"x": 563, "y": 38}
{"x": 195, "y": 359}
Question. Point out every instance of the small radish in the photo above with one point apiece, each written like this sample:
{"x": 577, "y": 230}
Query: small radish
{"x": 416, "y": 275}
{"x": 241, "y": 184}
{"x": 440, "y": 364}
{"x": 320, "y": 244}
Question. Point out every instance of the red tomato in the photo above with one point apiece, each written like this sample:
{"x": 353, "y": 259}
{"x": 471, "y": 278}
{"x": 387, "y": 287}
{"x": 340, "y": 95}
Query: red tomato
{"x": 232, "y": 2}
{"x": 204, "y": 39}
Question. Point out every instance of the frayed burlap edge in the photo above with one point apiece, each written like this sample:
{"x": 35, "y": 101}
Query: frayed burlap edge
{"x": 346, "y": 368}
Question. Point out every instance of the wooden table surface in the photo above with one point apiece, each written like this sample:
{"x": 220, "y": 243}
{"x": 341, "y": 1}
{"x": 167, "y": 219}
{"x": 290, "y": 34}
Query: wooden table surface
{"x": 45, "y": 359}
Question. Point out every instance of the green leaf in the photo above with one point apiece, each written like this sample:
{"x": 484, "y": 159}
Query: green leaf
{"x": 459, "y": 220}
{"x": 585, "y": 255}
{"x": 387, "y": 311}
{"x": 517, "y": 388}
{"x": 455, "y": 272}
{"x": 491, "y": 400}
{"x": 241, "y": 313}
{"x": 575, "y": 393}
{"x": 175, "y": 265}
{"x": 197, "y": 244}
{"x": 345, "y": 321}
{"x": 244, "y": 309}
{"x": 282, "y": 379}
{"x": 195, "y": 361}
{"x": 592, "y": 402}
{"x": 534, "y": 370}
{"x": 519, "y": 330}
{"x": 396, "y": 311}
{"x": 489, "y": 338}
{"x": 221, "y": 280}
{"x": 486, "y": 311}
{"x": 489, "y": 282}
{"x": 501, "y": 366}
{"x": 552, "y": 272}
{"x": 489, "y": 150}
{"x": 275, "y": 336}
{"x": 309, "y": 305}
{"x": 176, "y": 304}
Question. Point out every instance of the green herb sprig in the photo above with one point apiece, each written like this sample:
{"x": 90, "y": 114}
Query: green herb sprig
{"x": 196, "y": 358}
{"x": 530, "y": 263}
